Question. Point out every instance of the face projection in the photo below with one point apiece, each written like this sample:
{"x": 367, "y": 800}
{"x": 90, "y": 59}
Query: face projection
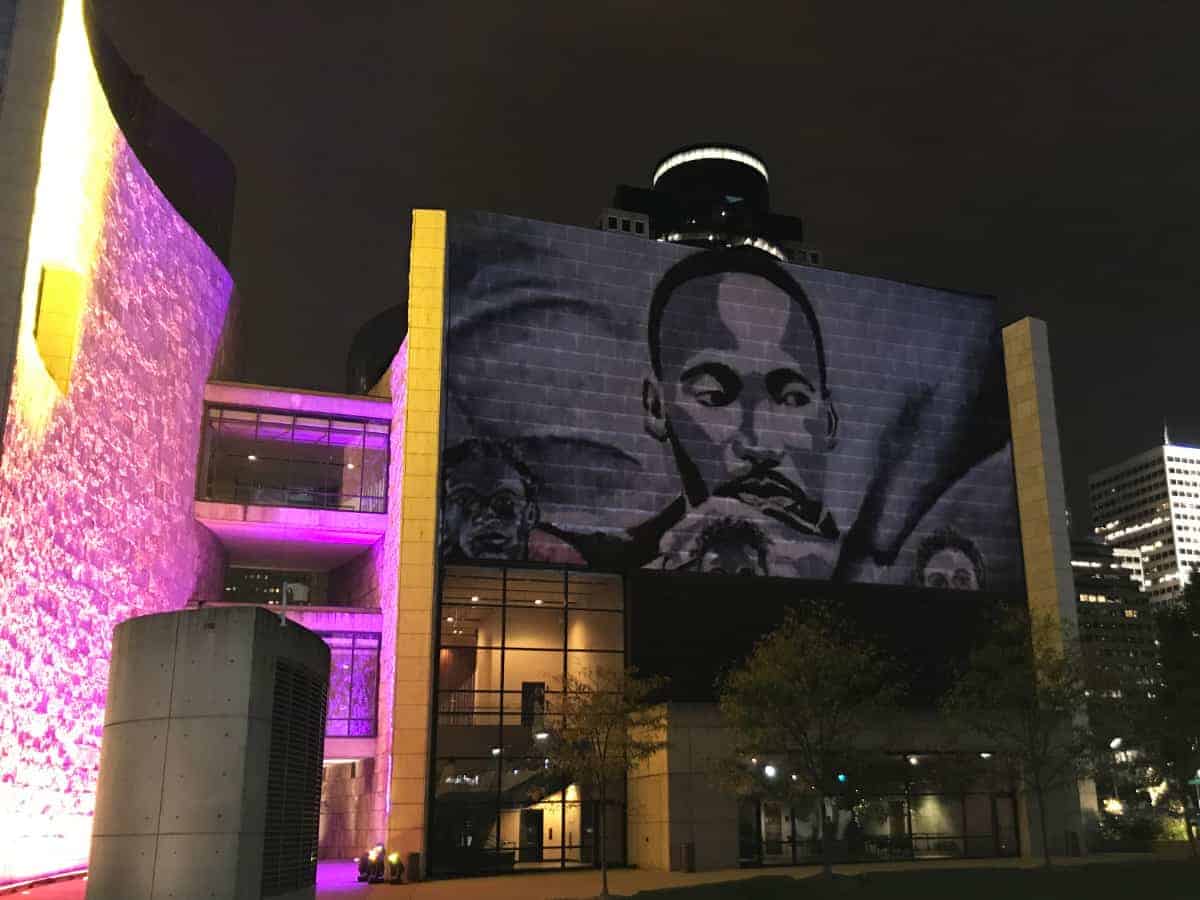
{"x": 490, "y": 503}
{"x": 733, "y": 547}
{"x": 948, "y": 561}
{"x": 739, "y": 393}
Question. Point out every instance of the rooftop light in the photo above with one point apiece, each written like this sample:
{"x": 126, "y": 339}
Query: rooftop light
{"x": 696, "y": 154}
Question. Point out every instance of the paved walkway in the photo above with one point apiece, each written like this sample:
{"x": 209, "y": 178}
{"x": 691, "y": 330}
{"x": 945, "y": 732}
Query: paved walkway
{"x": 337, "y": 880}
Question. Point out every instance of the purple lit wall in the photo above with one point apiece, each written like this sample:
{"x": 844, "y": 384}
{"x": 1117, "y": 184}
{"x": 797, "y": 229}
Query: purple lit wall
{"x": 96, "y": 520}
{"x": 389, "y": 580}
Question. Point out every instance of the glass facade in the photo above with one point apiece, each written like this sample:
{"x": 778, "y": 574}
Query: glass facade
{"x": 353, "y": 683}
{"x": 914, "y": 824}
{"x": 272, "y": 458}
{"x": 508, "y": 640}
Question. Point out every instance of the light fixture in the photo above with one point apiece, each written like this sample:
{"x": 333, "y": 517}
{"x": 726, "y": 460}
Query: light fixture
{"x": 1115, "y": 743}
{"x": 541, "y": 736}
{"x": 450, "y": 619}
{"x": 475, "y": 599}
{"x": 349, "y": 465}
{"x": 770, "y": 771}
{"x": 913, "y": 760}
{"x": 252, "y": 458}
{"x": 695, "y": 154}
{"x": 985, "y": 755}
{"x": 495, "y": 751}
{"x": 795, "y": 777}
{"x": 538, "y": 602}
{"x": 754, "y": 760}
{"x": 841, "y": 777}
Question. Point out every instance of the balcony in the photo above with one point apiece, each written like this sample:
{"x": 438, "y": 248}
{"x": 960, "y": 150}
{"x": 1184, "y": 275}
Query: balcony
{"x": 293, "y": 479}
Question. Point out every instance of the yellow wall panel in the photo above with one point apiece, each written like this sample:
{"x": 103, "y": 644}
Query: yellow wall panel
{"x": 56, "y": 329}
{"x": 415, "y": 627}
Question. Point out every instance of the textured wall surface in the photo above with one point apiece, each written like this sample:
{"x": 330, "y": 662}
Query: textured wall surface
{"x": 416, "y": 391}
{"x": 27, "y": 44}
{"x": 356, "y": 583}
{"x": 8, "y": 19}
{"x": 96, "y": 483}
{"x": 1047, "y": 546}
{"x": 836, "y": 426}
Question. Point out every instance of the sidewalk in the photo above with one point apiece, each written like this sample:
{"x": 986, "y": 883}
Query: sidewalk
{"x": 336, "y": 880}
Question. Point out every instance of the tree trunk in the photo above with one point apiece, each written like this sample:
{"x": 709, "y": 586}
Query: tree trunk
{"x": 603, "y": 841}
{"x": 1188, "y": 823}
{"x": 826, "y": 843}
{"x": 1041, "y": 801}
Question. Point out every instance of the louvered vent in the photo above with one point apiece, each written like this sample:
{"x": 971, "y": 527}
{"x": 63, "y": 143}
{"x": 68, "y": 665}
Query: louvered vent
{"x": 293, "y": 780}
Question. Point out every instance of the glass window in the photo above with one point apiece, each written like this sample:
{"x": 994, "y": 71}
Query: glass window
{"x": 534, "y": 587}
{"x": 499, "y": 803}
{"x": 593, "y": 667}
{"x": 520, "y": 666}
{"x": 589, "y": 591}
{"x": 353, "y": 684}
{"x": 274, "y": 458}
{"x": 534, "y": 628}
{"x": 595, "y": 630}
{"x": 473, "y": 625}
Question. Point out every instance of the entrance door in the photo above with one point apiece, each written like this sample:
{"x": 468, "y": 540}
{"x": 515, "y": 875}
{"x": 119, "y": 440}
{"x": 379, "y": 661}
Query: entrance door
{"x": 772, "y": 821}
{"x": 531, "y": 836}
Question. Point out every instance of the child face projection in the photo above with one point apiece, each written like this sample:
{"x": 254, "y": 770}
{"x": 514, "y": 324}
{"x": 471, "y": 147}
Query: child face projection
{"x": 739, "y": 394}
{"x": 489, "y": 508}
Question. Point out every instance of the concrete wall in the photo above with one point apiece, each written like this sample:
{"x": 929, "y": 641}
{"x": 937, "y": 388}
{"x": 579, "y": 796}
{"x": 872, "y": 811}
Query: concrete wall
{"x": 1046, "y": 543}
{"x": 673, "y": 797}
{"x": 349, "y": 823}
{"x": 182, "y": 798}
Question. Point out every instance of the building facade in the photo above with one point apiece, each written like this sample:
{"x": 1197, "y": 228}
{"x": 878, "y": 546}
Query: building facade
{"x": 582, "y": 444}
{"x": 1151, "y": 503}
{"x": 1117, "y": 637}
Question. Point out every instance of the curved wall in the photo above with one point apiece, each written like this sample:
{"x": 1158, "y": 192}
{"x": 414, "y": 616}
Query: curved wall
{"x": 120, "y": 314}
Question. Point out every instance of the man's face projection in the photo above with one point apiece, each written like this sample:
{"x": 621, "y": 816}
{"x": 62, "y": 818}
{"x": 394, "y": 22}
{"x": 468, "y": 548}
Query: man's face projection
{"x": 951, "y": 569}
{"x": 741, "y": 396}
{"x": 487, "y": 515}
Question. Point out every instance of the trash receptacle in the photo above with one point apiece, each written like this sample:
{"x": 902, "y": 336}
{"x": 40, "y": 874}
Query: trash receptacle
{"x": 412, "y": 870}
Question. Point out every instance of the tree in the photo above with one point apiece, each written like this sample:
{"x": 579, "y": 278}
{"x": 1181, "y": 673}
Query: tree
{"x": 609, "y": 721}
{"x": 1024, "y": 693}
{"x": 796, "y": 711}
{"x": 1174, "y": 726}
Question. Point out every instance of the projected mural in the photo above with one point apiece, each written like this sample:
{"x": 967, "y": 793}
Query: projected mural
{"x": 621, "y": 404}
{"x": 119, "y": 319}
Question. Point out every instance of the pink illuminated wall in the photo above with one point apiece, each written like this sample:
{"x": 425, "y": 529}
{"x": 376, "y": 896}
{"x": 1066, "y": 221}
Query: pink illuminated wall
{"x": 388, "y": 574}
{"x": 97, "y": 481}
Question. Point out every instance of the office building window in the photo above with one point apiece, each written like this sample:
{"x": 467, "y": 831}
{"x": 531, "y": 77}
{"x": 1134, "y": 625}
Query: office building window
{"x": 509, "y": 638}
{"x": 271, "y": 458}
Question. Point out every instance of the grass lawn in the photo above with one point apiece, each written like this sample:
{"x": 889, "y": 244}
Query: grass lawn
{"x": 1150, "y": 880}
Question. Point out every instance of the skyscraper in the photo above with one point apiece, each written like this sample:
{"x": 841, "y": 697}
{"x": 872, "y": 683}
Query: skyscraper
{"x": 1151, "y": 503}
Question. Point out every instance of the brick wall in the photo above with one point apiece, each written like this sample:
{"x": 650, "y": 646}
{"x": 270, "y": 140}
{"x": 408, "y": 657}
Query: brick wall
{"x": 96, "y": 519}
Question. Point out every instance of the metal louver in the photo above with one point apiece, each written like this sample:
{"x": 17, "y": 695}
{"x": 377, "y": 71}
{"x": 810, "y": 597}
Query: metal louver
{"x": 293, "y": 780}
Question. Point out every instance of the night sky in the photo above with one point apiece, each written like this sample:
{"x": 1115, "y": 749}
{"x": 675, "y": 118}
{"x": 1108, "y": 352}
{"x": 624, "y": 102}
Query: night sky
{"x": 1047, "y": 153}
